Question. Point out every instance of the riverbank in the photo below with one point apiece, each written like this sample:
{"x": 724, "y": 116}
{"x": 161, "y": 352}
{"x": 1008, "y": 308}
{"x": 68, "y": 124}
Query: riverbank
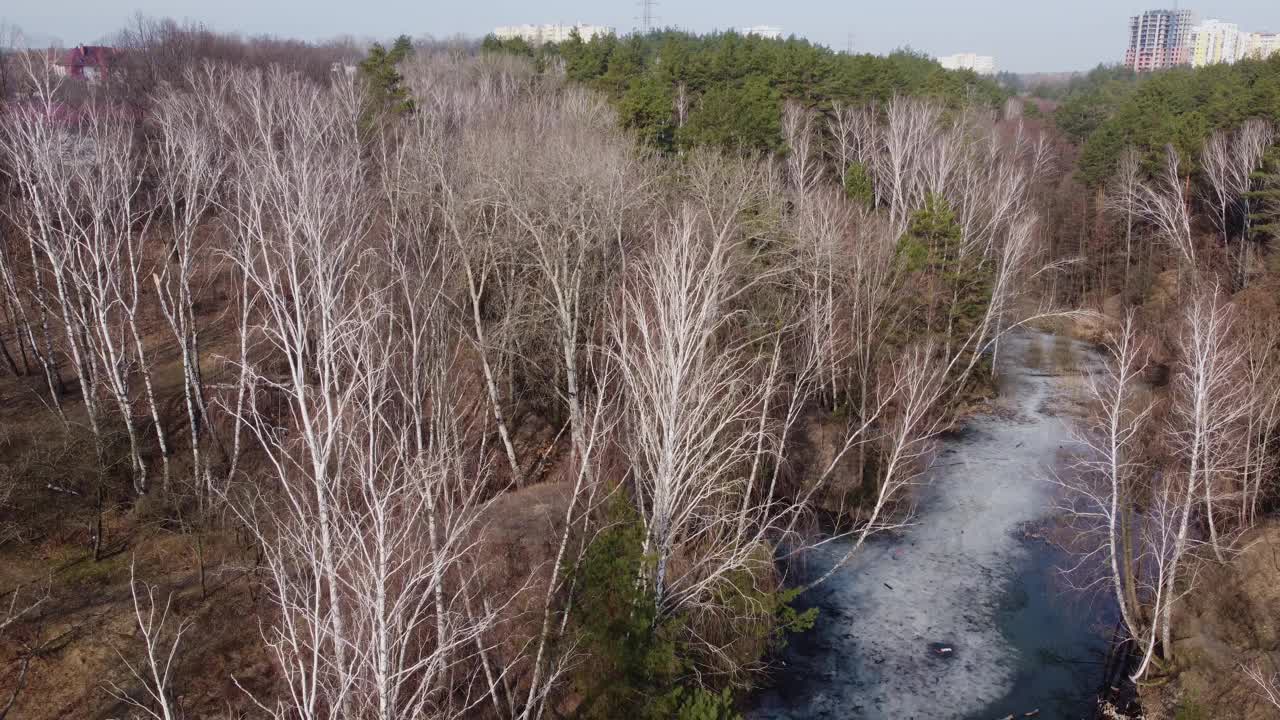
{"x": 961, "y": 614}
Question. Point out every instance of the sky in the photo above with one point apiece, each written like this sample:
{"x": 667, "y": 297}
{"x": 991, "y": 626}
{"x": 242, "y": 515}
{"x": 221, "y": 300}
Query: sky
{"x": 1023, "y": 35}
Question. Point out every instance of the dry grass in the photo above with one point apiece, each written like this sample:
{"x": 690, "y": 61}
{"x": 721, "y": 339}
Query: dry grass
{"x": 1232, "y": 620}
{"x": 75, "y": 638}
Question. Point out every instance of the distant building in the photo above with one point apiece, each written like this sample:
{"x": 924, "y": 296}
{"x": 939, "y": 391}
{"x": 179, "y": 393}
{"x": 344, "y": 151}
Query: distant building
{"x": 981, "y": 64}
{"x": 86, "y": 62}
{"x": 769, "y": 32}
{"x": 1215, "y": 41}
{"x": 1259, "y": 46}
{"x": 550, "y": 33}
{"x": 1160, "y": 39}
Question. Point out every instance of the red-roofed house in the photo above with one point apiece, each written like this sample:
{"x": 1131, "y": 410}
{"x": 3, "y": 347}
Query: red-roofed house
{"x": 87, "y": 62}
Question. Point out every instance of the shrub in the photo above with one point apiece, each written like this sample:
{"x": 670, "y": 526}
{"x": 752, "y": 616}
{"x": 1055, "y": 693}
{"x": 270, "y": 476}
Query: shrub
{"x": 640, "y": 664}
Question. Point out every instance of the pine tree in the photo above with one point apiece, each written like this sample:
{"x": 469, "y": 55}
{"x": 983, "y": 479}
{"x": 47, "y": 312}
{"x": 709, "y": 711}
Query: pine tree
{"x": 385, "y": 83}
{"x": 1265, "y": 201}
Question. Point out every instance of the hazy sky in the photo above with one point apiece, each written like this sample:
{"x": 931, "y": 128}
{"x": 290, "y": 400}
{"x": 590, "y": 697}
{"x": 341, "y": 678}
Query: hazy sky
{"x": 1023, "y": 35}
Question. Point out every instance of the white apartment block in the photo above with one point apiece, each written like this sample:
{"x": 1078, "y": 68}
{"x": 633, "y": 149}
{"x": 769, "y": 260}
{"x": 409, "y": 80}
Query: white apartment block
{"x": 1259, "y": 46}
{"x": 551, "y": 33}
{"x": 981, "y": 64}
{"x": 770, "y": 32}
{"x": 1215, "y": 41}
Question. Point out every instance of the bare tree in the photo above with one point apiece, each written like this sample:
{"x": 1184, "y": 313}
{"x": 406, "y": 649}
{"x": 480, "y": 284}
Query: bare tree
{"x": 568, "y": 222}
{"x": 161, "y": 640}
{"x": 38, "y": 145}
{"x": 370, "y": 521}
{"x": 1261, "y": 341}
{"x": 1122, "y": 198}
{"x": 15, "y": 612}
{"x": 106, "y": 256}
{"x": 856, "y": 137}
{"x": 480, "y": 251}
{"x": 698, "y": 417}
{"x": 909, "y": 129}
{"x": 190, "y": 168}
{"x": 1108, "y": 487}
{"x": 822, "y": 226}
{"x": 918, "y": 384}
{"x": 1269, "y": 686}
{"x": 1229, "y": 159}
{"x": 804, "y": 166}
{"x": 1203, "y": 432}
{"x": 304, "y": 215}
{"x": 1210, "y": 406}
{"x": 1164, "y": 204}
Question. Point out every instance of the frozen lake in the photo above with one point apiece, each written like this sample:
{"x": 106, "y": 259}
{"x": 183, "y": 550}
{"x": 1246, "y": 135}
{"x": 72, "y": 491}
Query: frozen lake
{"x": 965, "y": 576}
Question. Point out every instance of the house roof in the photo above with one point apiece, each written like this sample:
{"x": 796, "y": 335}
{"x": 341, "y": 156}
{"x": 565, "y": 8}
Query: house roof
{"x": 97, "y": 56}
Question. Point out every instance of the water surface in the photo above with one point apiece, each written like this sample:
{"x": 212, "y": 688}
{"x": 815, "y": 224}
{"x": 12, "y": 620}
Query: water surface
{"x": 968, "y": 574}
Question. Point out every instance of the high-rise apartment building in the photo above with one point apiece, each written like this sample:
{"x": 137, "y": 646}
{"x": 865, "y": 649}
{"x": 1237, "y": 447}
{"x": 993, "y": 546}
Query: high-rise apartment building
{"x": 981, "y": 64}
{"x": 1259, "y": 46}
{"x": 1215, "y": 41}
{"x": 1159, "y": 39}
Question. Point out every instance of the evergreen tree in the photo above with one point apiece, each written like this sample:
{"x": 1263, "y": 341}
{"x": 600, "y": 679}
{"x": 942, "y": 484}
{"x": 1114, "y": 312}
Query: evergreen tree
{"x": 857, "y": 185}
{"x": 647, "y": 107}
{"x": 722, "y": 73}
{"x": 385, "y": 84}
{"x": 1265, "y": 201}
{"x": 1181, "y": 106}
{"x": 641, "y": 665}
{"x": 748, "y": 117}
{"x": 933, "y": 248}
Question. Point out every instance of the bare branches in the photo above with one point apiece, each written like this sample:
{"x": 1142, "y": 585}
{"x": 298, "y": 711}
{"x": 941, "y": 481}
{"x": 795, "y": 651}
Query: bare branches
{"x": 685, "y": 400}
{"x": 160, "y": 643}
{"x": 799, "y": 129}
{"x": 1229, "y": 160}
{"x": 1209, "y": 406}
{"x": 1164, "y": 204}
{"x": 369, "y": 525}
{"x": 918, "y": 384}
{"x": 190, "y": 165}
{"x": 1110, "y": 484}
{"x": 1269, "y": 686}
{"x": 1122, "y": 198}
{"x": 909, "y": 129}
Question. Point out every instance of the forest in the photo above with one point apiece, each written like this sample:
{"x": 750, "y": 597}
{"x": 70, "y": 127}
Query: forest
{"x": 1111, "y": 110}
{"x": 739, "y": 83}
{"x": 449, "y": 380}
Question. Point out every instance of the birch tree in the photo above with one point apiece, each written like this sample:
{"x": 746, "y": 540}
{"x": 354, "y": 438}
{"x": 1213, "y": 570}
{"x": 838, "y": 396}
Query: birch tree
{"x": 190, "y": 166}
{"x": 1209, "y": 407}
{"x": 161, "y": 635}
{"x": 1110, "y": 484}
{"x": 1121, "y": 198}
{"x": 1229, "y": 159}
{"x": 302, "y": 193}
{"x": 1163, "y": 203}
{"x": 369, "y": 524}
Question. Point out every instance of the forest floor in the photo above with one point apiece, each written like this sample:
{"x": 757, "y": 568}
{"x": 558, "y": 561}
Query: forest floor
{"x": 1231, "y": 622}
